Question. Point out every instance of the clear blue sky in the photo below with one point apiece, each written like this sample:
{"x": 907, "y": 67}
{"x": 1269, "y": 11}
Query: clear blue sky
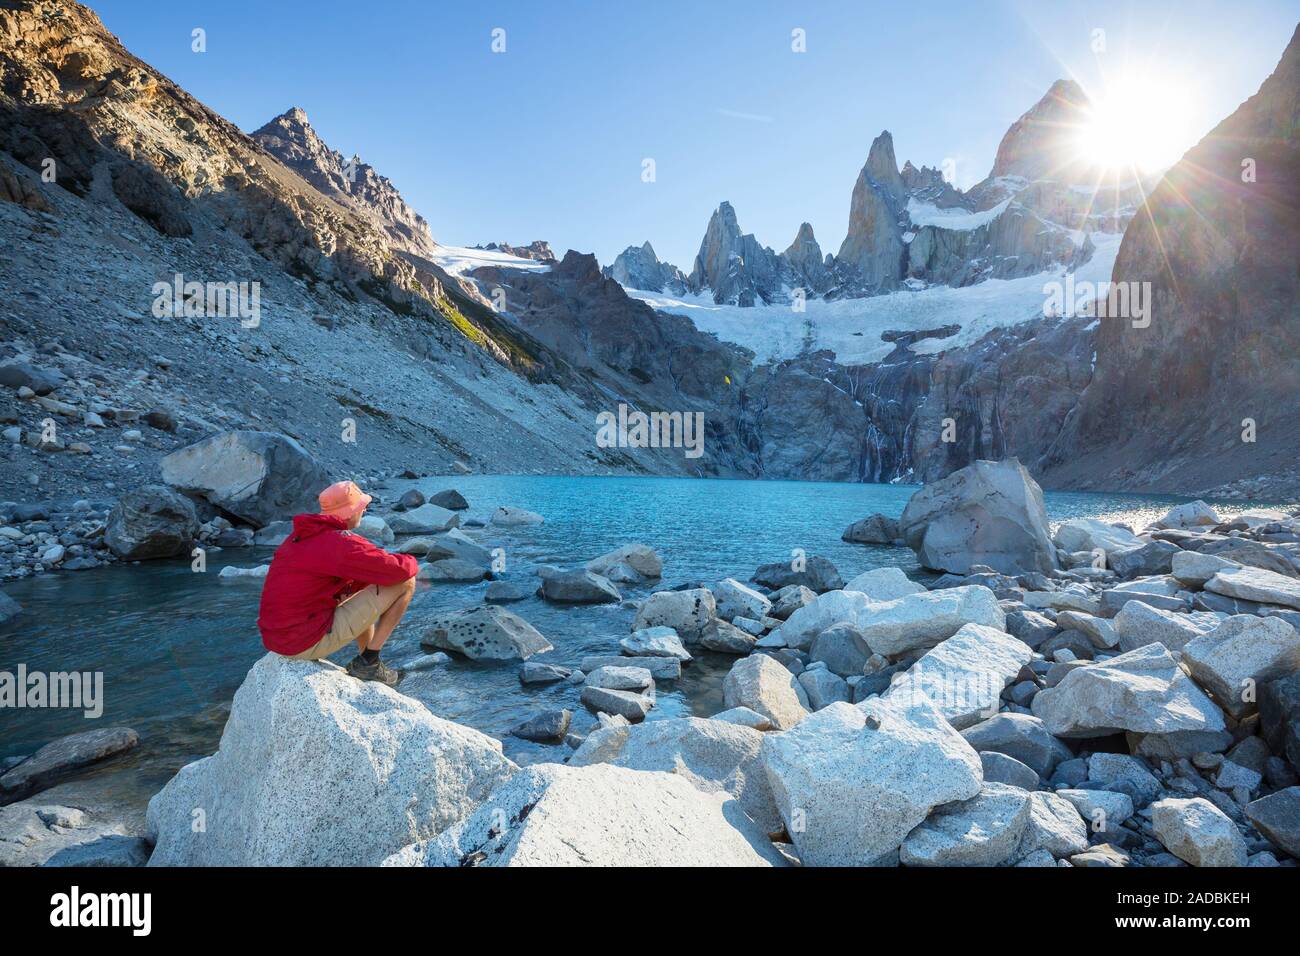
{"x": 546, "y": 141}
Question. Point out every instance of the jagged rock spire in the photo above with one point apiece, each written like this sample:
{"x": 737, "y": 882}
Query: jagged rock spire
{"x": 291, "y": 139}
{"x": 882, "y": 167}
{"x": 873, "y": 245}
{"x": 1044, "y": 142}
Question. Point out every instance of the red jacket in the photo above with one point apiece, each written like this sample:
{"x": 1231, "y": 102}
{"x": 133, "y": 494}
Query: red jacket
{"x": 316, "y": 566}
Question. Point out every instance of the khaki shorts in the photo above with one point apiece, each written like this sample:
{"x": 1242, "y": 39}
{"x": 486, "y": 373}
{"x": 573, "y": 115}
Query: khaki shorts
{"x": 351, "y": 619}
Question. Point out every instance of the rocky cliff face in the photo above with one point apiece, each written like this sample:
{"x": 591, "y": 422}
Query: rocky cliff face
{"x": 915, "y": 417}
{"x": 803, "y": 259}
{"x": 290, "y": 139}
{"x": 75, "y": 98}
{"x": 1017, "y": 242}
{"x": 1170, "y": 402}
{"x": 1032, "y": 213}
{"x": 352, "y": 327}
{"x": 589, "y": 319}
{"x": 637, "y": 267}
{"x": 870, "y": 259}
{"x": 1043, "y": 143}
{"x": 538, "y": 250}
{"x": 734, "y": 265}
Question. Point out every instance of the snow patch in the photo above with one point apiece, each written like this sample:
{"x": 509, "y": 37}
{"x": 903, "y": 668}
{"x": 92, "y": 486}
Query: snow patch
{"x": 458, "y": 260}
{"x": 957, "y": 219}
{"x": 851, "y": 328}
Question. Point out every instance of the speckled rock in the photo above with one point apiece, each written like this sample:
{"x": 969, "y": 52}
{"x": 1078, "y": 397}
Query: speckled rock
{"x": 1198, "y": 832}
{"x": 1143, "y": 691}
{"x": 713, "y": 755}
{"x": 765, "y": 686}
{"x": 985, "y": 830}
{"x": 852, "y": 781}
{"x": 903, "y": 624}
{"x": 964, "y": 675}
{"x": 318, "y": 769}
{"x": 601, "y": 815}
{"x": 258, "y": 476}
{"x": 1240, "y": 654}
{"x": 486, "y": 633}
{"x": 687, "y": 612}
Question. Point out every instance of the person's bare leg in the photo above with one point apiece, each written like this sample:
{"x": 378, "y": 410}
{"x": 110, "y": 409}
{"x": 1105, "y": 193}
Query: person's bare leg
{"x": 363, "y": 639}
{"x": 383, "y": 627}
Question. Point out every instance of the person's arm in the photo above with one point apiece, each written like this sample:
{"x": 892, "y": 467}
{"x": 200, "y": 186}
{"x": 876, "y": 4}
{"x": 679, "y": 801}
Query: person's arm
{"x": 366, "y": 563}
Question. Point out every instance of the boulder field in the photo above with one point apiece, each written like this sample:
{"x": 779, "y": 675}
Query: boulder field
{"x": 1089, "y": 695}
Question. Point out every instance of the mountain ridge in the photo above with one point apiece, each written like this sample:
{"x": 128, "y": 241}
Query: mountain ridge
{"x": 905, "y": 227}
{"x": 291, "y": 139}
{"x": 503, "y": 360}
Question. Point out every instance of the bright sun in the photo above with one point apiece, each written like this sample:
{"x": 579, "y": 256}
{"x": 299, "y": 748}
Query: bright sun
{"x": 1136, "y": 124}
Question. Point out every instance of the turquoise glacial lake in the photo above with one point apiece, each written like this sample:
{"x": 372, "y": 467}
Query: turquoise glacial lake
{"x": 174, "y": 645}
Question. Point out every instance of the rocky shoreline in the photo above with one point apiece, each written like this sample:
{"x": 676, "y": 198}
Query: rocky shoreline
{"x": 1092, "y": 696}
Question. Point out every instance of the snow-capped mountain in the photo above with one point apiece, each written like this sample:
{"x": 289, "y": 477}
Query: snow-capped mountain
{"x": 1039, "y": 208}
{"x": 637, "y": 267}
{"x": 930, "y": 313}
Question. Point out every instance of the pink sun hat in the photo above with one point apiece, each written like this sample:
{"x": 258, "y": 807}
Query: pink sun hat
{"x": 343, "y": 499}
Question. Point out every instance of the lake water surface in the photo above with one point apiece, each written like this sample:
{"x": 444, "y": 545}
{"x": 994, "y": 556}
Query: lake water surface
{"x": 174, "y": 645}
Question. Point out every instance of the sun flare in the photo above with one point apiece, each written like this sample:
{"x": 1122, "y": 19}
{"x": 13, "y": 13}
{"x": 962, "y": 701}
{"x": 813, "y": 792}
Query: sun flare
{"x": 1138, "y": 124}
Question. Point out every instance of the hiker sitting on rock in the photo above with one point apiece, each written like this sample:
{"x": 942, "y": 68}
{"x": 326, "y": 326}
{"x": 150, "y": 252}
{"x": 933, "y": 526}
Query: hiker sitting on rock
{"x": 328, "y": 586}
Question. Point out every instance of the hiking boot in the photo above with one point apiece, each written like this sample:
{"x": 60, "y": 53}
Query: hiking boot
{"x": 378, "y": 671}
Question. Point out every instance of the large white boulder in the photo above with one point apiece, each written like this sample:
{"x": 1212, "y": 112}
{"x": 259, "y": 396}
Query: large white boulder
{"x": 1143, "y": 690}
{"x": 1193, "y": 514}
{"x": 1256, "y": 584}
{"x": 738, "y": 600}
{"x": 629, "y": 564}
{"x": 599, "y": 815}
{"x": 925, "y": 619}
{"x": 884, "y": 584}
{"x": 764, "y": 685}
{"x": 1091, "y": 534}
{"x": 1054, "y": 825}
{"x": 1138, "y": 624}
{"x": 688, "y": 612}
{"x": 425, "y": 519}
{"x": 1239, "y": 655}
{"x": 508, "y": 517}
{"x": 964, "y": 675}
{"x": 892, "y": 627}
{"x": 258, "y": 476}
{"x": 316, "y": 768}
{"x": 990, "y": 513}
{"x": 852, "y": 781}
{"x": 1194, "y": 569}
{"x": 487, "y": 633}
{"x": 1198, "y": 832}
{"x": 985, "y": 830}
{"x": 714, "y": 755}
